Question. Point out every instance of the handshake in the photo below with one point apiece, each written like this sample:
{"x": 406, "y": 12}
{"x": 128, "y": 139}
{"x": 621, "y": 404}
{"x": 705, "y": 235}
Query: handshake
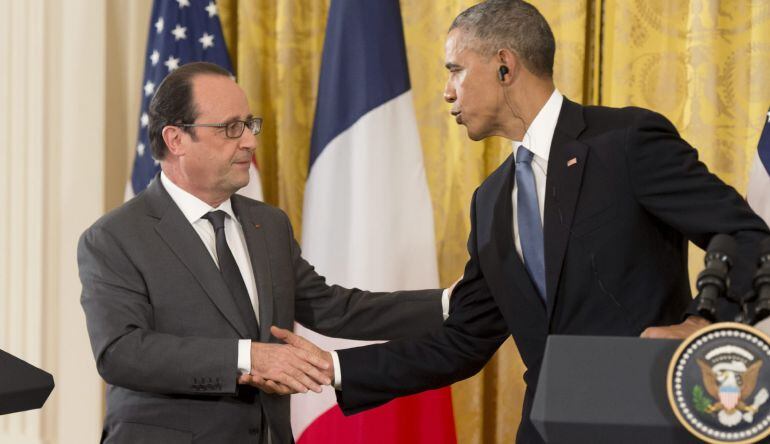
{"x": 294, "y": 367}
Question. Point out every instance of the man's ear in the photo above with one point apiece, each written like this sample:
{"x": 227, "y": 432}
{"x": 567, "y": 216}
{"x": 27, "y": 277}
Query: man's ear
{"x": 174, "y": 137}
{"x": 509, "y": 59}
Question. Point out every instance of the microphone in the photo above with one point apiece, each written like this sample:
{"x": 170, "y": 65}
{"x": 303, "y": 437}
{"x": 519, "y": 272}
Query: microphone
{"x": 713, "y": 281}
{"x": 762, "y": 282}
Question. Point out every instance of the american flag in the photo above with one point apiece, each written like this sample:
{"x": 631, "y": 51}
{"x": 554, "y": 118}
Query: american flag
{"x": 181, "y": 31}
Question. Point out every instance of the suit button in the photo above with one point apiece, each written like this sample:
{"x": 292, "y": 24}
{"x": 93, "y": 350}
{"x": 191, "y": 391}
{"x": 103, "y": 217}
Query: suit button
{"x": 253, "y": 431}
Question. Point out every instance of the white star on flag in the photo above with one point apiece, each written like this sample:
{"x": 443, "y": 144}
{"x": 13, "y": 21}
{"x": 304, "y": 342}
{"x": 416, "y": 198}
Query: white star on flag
{"x": 768, "y": 116}
{"x": 149, "y": 88}
{"x": 207, "y": 40}
{"x": 145, "y": 119}
{"x": 172, "y": 63}
{"x": 211, "y": 9}
{"x": 183, "y": 3}
{"x": 155, "y": 57}
{"x": 180, "y": 32}
{"x": 159, "y": 25}
{"x": 140, "y": 149}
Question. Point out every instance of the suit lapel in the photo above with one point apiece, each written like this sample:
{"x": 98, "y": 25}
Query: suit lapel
{"x": 566, "y": 163}
{"x": 512, "y": 274}
{"x": 251, "y": 219}
{"x": 182, "y": 239}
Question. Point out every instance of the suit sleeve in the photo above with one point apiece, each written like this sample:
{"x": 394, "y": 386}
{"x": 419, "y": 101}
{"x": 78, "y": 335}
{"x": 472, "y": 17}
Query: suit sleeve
{"x": 356, "y": 314}
{"x": 373, "y": 375}
{"x": 673, "y": 185}
{"x": 128, "y": 352}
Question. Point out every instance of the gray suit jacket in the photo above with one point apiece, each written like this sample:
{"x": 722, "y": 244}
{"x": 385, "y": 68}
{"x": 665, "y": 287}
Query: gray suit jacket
{"x": 164, "y": 327}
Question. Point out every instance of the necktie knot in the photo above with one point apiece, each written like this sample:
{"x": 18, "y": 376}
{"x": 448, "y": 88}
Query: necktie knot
{"x": 523, "y": 155}
{"x": 217, "y": 219}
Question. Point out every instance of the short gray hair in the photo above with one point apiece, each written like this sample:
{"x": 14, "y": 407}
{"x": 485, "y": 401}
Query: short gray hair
{"x": 510, "y": 24}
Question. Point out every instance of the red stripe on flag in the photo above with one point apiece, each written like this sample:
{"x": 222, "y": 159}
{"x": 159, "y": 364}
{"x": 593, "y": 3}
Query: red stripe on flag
{"x": 420, "y": 418}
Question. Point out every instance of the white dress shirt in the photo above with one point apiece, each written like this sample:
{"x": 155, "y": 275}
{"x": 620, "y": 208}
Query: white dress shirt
{"x": 193, "y": 209}
{"x": 538, "y": 140}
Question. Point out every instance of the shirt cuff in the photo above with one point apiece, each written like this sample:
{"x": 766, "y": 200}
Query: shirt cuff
{"x": 337, "y": 371}
{"x": 445, "y": 303}
{"x": 244, "y": 356}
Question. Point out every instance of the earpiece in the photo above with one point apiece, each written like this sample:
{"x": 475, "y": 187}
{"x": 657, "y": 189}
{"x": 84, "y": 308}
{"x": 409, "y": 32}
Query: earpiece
{"x": 502, "y": 72}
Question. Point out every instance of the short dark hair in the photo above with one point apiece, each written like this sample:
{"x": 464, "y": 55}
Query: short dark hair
{"x": 511, "y": 24}
{"x": 173, "y": 102}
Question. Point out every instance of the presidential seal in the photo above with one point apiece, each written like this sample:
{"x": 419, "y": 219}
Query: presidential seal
{"x": 719, "y": 381}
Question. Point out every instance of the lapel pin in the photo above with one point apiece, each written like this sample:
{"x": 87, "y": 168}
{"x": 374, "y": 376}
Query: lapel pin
{"x": 572, "y": 162}
{"x": 257, "y": 225}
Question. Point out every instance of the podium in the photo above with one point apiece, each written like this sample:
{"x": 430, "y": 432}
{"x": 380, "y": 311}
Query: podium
{"x": 22, "y": 386}
{"x": 595, "y": 389}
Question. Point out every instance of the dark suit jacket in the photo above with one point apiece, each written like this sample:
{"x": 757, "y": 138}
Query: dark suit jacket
{"x": 616, "y": 226}
{"x": 164, "y": 327}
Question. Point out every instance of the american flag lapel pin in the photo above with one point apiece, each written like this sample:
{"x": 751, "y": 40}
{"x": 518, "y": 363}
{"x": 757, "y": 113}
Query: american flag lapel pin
{"x": 572, "y": 162}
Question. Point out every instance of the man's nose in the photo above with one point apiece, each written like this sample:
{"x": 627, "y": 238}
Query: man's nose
{"x": 248, "y": 140}
{"x": 449, "y": 93}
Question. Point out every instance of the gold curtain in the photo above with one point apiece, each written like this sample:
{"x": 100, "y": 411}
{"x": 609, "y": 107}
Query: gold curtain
{"x": 702, "y": 64}
{"x": 703, "y": 72}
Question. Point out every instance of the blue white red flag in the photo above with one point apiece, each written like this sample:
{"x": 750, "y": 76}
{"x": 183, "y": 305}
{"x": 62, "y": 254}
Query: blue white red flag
{"x": 368, "y": 220}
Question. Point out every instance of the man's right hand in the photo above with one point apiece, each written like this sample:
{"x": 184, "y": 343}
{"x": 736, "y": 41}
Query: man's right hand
{"x": 285, "y": 369}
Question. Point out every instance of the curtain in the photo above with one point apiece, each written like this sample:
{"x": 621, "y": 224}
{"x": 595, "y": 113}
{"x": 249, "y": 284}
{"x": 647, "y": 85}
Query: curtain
{"x": 702, "y": 63}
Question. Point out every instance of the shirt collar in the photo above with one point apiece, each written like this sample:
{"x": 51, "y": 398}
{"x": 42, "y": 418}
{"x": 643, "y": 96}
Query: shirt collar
{"x": 192, "y": 207}
{"x": 539, "y": 135}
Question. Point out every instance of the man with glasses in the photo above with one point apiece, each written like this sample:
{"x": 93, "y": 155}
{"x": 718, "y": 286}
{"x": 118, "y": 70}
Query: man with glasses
{"x": 182, "y": 284}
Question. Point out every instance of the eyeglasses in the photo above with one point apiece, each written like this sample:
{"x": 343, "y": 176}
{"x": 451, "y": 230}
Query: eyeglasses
{"x": 234, "y": 129}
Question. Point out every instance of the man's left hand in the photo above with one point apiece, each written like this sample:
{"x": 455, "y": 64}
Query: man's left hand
{"x": 677, "y": 331}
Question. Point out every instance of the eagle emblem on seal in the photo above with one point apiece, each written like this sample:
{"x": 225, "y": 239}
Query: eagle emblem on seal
{"x": 730, "y": 379}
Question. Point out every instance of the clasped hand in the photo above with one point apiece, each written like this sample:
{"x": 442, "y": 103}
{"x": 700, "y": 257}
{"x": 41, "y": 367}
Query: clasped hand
{"x": 294, "y": 367}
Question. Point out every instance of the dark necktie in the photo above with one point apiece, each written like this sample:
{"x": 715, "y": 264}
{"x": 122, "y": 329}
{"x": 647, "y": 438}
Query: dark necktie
{"x": 231, "y": 273}
{"x": 528, "y": 215}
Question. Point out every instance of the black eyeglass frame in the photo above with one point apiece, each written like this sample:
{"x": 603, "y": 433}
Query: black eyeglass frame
{"x": 254, "y": 124}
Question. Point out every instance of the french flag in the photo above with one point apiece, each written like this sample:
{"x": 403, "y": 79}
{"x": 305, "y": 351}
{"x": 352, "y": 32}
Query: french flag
{"x": 368, "y": 221}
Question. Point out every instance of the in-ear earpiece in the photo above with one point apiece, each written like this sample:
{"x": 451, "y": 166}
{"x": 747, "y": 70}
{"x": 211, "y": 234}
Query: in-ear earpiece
{"x": 502, "y": 72}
